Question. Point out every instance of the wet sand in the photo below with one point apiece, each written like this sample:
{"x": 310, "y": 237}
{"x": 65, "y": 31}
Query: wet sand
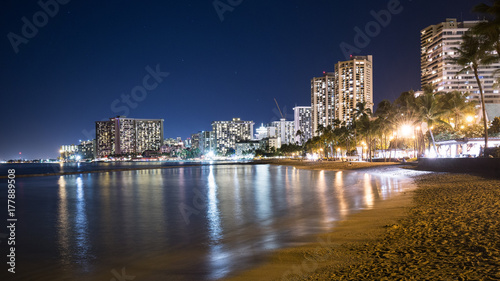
{"x": 447, "y": 228}
{"x": 331, "y": 165}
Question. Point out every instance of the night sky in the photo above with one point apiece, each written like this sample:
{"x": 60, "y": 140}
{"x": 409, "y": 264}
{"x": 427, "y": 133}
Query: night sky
{"x": 75, "y": 68}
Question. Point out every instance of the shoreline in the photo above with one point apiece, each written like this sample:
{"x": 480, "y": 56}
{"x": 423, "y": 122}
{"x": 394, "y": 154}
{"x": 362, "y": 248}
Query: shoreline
{"x": 327, "y": 249}
{"x": 445, "y": 227}
{"x": 327, "y": 165}
{"x": 335, "y": 165}
{"x": 257, "y": 162}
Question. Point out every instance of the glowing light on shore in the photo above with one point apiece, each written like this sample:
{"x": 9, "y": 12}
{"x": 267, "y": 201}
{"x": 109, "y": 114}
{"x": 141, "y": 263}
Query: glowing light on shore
{"x": 406, "y": 130}
{"x": 313, "y": 157}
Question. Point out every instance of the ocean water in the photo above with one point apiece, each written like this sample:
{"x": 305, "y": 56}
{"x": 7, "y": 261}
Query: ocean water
{"x": 189, "y": 223}
{"x": 51, "y": 168}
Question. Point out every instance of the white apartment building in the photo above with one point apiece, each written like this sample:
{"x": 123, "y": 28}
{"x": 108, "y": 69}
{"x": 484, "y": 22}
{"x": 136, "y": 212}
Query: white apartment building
{"x": 285, "y": 130}
{"x": 437, "y": 43}
{"x": 322, "y": 109}
{"x": 302, "y": 117}
{"x": 207, "y": 142}
{"x": 227, "y": 133}
{"x": 353, "y": 84}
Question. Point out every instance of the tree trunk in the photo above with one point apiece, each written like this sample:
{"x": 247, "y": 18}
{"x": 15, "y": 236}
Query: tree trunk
{"x": 385, "y": 147}
{"x": 482, "y": 107}
{"x": 433, "y": 142}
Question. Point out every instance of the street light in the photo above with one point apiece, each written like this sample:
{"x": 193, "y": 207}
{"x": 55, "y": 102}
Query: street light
{"x": 406, "y": 130}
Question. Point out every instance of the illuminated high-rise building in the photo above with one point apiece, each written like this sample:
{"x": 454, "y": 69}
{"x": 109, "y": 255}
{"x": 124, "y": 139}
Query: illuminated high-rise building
{"x": 437, "y": 44}
{"x": 227, "y": 133}
{"x": 302, "y": 122}
{"x": 207, "y": 142}
{"x": 126, "y": 136}
{"x": 86, "y": 149}
{"x": 285, "y": 130}
{"x": 353, "y": 84}
{"x": 335, "y": 95}
{"x": 322, "y": 109}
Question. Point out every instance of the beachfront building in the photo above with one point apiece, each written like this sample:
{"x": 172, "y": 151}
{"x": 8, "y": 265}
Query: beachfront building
{"x": 466, "y": 147}
{"x": 437, "y": 43}
{"x": 187, "y": 143}
{"x": 68, "y": 152}
{"x": 128, "y": 136}
{"x": 207, "y": 142}
{"x": 83, "y": 151}
{"x": 195, "y": 141}
{"x": 322, "y": 109}
{"x": 227, "y": 133}
{"x": 261, "y": 132}
{"x": 270, "y": 142}
{"x": 247, "y": 147}
{"x": 335, "y": 95}
{"x": 353, "y": 83}
{"x": 302, "y": 123}
{"x": 86, "y": 149}
{"x": 285, "y": 131}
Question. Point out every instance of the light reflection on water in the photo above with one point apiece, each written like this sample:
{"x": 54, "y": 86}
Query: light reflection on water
{"x": 81, "y": 227}
{"x": 238, "y": 214}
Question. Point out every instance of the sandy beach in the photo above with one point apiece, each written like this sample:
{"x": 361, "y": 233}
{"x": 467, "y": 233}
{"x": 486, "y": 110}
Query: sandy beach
{"x": 447, "y": 228}
{"x": 331, "y": 165}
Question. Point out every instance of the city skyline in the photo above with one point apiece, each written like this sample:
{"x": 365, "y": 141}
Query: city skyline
{"x": 189, "y": 64}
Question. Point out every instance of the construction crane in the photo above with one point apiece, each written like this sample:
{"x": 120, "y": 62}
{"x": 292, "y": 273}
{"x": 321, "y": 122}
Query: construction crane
{"x": 279, "y": 108}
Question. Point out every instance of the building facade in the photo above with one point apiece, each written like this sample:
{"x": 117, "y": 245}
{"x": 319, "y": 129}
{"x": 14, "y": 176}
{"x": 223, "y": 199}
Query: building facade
{"x": 285, "y": 130}
{"x": 269, "y": 143}
{"x": 86, "y": 149}
{"x": 227, "y": 133}
{"x": 261, "y": 132}
{"x": 68, "y": 152}
{"x": 126, "y": 136}
{"x": 335, "y": 95}
{"x": 302, "y": 122}
{"x": 247, "y": 147}
{"x": 83, "y": 151}
{"x": 353, "y": 84}
{"x": 322, "y": 98}
{"x": 195, "y": 141}
{"x": 437, "y": 43}
{"x": 207, "y": 142}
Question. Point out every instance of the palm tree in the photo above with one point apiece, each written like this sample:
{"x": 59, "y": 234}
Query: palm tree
{"x": 320, "y": 129}
{"x": 431, "y": 110}
{"x": 359, "y": 112}
{"x": 490, "y": 28}
{"x": 366, "y": 128}
{"x": 324, "y": 136}
{"x": 344, "y": 135}
{"x": 457, "y": 104}
{"x": 385, "y": 114}
{"x": 328, "y": 138}
{"x": 406, "y": 102}
{"x": 362, "y": 110}
{"x": 301, "y": 136}
{"x": 406, "y": 111}
{"x": 470, "y": 55}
